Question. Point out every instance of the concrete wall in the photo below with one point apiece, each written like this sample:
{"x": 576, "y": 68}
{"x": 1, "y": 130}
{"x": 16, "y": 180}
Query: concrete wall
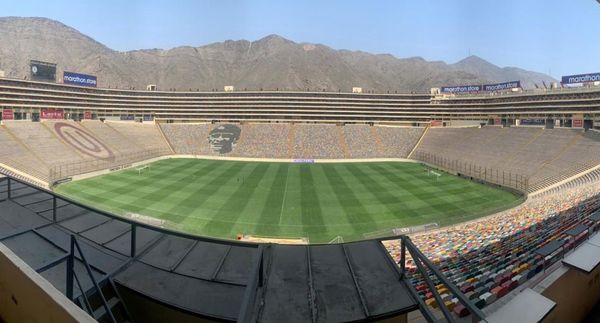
{"x": 575, "y": 294}
{"x": 144, "y": 309}
{"x": 25, "y": 296}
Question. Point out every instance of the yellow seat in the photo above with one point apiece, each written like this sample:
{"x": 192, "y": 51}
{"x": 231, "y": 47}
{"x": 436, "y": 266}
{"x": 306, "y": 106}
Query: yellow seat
{"x": 431, "y": 302}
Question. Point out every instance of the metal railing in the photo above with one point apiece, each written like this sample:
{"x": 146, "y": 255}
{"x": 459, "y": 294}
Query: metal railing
{"x": 67, "y": 170}
{"x": 72, "y": 277}
{"x": 427, "y": 269}
{"x": 468, "y": 169}
{"x": 257, "y": 280}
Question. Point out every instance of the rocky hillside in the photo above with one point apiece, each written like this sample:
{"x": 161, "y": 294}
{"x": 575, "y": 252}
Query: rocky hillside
{"x": 269, "y": 63}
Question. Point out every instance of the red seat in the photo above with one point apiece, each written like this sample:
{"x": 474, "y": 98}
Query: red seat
{"x": 460, "y": 310}
{"x": 467, "y": 288}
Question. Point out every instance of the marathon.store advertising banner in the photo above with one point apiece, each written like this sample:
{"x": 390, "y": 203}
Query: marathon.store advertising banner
{"x": 461, "y": 89}
{"x": 7, "y": 114}
{"x": 501, "y": 86}
{"x": 482, "y": 88}
{"x": 79, "y": 79}
{"x": 580, "y": 78}
{"x": 53, "y": 114}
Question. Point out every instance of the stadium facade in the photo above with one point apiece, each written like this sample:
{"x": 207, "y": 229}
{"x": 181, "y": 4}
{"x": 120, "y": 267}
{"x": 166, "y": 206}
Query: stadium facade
{"x": 27, "y": 98}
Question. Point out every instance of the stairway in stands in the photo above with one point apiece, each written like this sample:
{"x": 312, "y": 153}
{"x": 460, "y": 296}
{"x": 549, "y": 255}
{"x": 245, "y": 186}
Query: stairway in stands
{"x": 418, "y": 142}
{"x": 291, "y": 139}
{"x": 343, "y": 143}
{"x": 93, "y": 304}
{"x": 378, "y": 144}
{"x": 162, "y": 133}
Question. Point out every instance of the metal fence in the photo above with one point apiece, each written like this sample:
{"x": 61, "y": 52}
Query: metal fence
{"x": 468, "y": 169}
{"x": 63, "y": 171}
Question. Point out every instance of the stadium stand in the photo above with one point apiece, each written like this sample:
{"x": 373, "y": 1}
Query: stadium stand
{"x": 398, "y": 141}
{"x": 360, "y": 141}
{"x": 108, "y": 135}
{"x": 43, "y": 142}
{"x": 490, "y": 257}
{"x": 188, "y": 138}
{"x": 263, "y": 141}
{"x": 276, "y": 140}
{"x": 17, "y": 156}
{"x": 140, "y": 135}
{"x": 546, "y": 156}
{"x": 586, "y": 179}
{"x": 317, "y": 141}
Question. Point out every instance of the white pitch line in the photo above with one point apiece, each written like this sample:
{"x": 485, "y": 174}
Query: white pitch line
{"x": 287, "y": 175}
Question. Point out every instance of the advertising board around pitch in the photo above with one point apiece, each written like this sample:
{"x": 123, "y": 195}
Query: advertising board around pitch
{"x": 79, "y": 79}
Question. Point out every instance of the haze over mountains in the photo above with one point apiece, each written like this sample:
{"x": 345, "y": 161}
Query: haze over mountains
{"x": 269, "y": 63}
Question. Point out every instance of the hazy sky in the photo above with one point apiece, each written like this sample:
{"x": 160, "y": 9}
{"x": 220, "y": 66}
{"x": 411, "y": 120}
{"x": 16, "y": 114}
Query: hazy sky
{"x": 553, "y": 36}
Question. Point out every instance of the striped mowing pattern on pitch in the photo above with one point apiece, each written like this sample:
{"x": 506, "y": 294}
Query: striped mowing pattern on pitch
{"x": 318, "y": 201}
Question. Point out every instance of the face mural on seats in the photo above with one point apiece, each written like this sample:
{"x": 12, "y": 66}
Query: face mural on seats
{"x": 223, "y": 138}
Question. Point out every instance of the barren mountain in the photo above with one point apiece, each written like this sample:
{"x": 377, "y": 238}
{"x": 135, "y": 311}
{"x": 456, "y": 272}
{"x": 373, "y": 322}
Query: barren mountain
{"x": 269, "y": 63}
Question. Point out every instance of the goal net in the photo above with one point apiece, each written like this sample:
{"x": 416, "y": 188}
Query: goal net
{"x": 143, "y": 169}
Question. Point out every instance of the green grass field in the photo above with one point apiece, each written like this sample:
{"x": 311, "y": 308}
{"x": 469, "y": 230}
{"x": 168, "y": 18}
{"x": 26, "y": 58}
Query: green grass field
{"x": 318, "y": 201}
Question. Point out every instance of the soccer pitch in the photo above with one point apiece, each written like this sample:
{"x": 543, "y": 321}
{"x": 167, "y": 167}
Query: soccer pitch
{"x": 319, "y": 201}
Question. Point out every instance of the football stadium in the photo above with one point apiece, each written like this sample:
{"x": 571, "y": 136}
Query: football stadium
{"x": 464, "y": 203}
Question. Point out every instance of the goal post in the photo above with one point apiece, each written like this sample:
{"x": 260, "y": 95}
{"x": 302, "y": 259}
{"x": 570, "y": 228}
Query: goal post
{"x": 143, "y": 169}
{"x": 435, "y": 173}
